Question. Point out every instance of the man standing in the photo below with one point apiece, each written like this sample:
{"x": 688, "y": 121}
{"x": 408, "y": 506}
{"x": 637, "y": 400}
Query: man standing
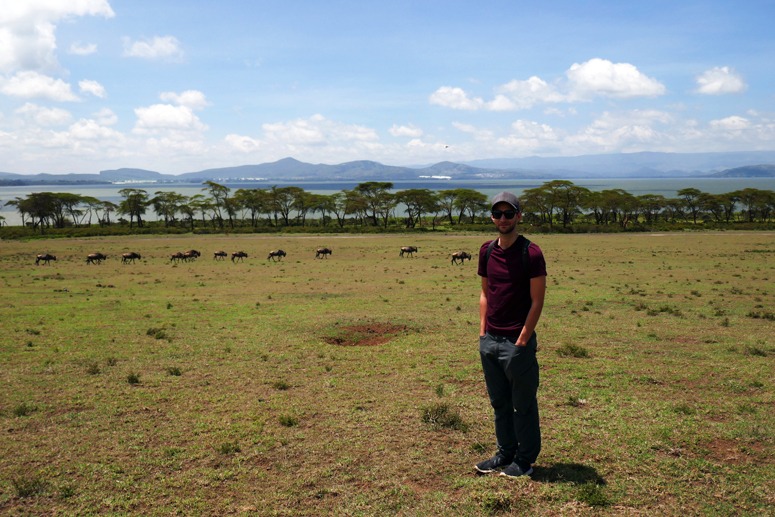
{"x": 513, "y": 274}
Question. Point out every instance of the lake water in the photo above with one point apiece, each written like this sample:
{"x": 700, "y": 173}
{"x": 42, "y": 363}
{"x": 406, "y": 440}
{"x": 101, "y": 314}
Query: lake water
{"x": 637, "y": 187}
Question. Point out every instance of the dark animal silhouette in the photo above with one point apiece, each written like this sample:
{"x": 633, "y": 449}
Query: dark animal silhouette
{"x": 95, "y": 258}
{"x": 129, "y": 258}
{"x": 409, "y": 250}
{"x": 461, "y": 256}
{"x": 45, "y": 258}
{"x": 191, "y": 255}
{"x": 238, "y": 256}
{"x": 178, "y": 256}
{"x": 276, "y": 255}
{"x": 219, "y": 255}
{"x": 323, "y": 252}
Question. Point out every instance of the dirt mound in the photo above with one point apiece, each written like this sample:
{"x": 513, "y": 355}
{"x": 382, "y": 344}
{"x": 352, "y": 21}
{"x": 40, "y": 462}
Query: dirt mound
{"x": 365, "y": 334}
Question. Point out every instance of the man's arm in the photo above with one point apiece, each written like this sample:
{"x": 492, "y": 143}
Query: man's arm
{"x": 483, "y": 308}
{"x": 537, "y": 294}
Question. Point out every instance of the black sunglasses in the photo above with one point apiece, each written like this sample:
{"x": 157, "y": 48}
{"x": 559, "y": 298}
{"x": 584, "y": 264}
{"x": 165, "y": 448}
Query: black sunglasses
{"x": 509, "y": 214}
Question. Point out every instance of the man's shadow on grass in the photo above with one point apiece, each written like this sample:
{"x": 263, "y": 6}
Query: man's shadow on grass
{"x": 567, "y": 473}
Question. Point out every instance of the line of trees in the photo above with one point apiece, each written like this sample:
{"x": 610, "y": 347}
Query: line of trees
{"x": 555, "y": 203}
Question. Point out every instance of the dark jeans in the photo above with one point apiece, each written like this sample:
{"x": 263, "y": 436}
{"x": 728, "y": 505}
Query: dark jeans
{"x": 511, "y": 375}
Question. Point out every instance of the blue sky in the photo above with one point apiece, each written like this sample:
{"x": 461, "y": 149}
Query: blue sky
{"x": 177, "y": 86}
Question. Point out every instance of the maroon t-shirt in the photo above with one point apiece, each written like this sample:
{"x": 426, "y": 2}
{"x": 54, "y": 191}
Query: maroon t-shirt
{"x": 508, "y": 286}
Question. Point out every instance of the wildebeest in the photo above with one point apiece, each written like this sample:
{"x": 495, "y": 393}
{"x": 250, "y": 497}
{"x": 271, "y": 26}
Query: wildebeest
{"x": 409, "y": 250}
{"x": 276, "y": 254}
{"x": 461, "y": 256}
{"x": 127, "y": 258}
{"x": 175, "y": 257}
{"x": 323, "y": 252}
{"x": 95, "y": 258}
{"x": 219, "y": 255}
{"x": 191, "y": 255}
{"x": 46, "y": 258}
{"x": 238, "y": 255}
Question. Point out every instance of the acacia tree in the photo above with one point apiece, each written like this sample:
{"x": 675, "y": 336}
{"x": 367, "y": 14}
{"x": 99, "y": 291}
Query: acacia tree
{"x": 418, "y": 202}
{"x": 691, "y": 199}
{"x": 376, "y": 195}
{"x": 471, "y": 201}
{"x": 167, "y": 204}
{"x": 134, "y": 205}
{"x": 650, "y": 205}
{"x": 219, "y": 194}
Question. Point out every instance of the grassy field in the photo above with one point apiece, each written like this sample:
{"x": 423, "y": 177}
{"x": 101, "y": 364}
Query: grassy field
{"x": 352, "y": 385}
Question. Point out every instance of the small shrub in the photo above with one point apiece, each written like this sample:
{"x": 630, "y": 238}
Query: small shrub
{"x": 684, "y": 409}
{"x": 29, "y": 486}
{"x": 497, "y": 502}
{"x": 572, "y": 350}
{"x": 441, "y": 415}
{"x": 66, "y": 492}
{"x": 157, "y": 333}
{"x": 592, "y": 494}
{"x": 755, "y": 351}
{"x": 229, "y": 448}
{"x": 111, "y": 361}
{"x": 24, "y": 409}
{"x": 93, "y": 368}
{"x": 288, "y": 421}
{"x": 440, "y": 390}
{"x": 133, "y": 378}
{"x": 281, "y": 385}
{"x": 174, "y": 370}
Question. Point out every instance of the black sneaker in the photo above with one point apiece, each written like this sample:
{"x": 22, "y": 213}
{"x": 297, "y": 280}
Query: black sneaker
{"x": 494, "y": 464}
{"x": 515, "y": 471}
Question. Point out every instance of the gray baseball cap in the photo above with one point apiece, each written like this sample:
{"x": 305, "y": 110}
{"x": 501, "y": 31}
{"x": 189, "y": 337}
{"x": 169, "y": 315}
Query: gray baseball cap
{"x": 506, "y": 197}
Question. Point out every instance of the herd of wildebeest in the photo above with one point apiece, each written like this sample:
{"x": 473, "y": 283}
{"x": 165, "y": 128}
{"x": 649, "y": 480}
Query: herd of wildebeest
{"x": 237, "y": 256}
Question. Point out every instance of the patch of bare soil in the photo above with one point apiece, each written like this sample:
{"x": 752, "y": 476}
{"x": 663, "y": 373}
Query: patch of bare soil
{"x": 730, "y": 451}
{"x": 365, "y": 334}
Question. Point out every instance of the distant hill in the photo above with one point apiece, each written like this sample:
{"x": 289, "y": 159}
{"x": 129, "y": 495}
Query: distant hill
{"x": 624, "y": 165}
{"x": 750, "y": 171}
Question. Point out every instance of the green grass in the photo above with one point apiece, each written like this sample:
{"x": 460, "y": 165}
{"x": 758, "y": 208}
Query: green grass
{"x": 352, "y": 385}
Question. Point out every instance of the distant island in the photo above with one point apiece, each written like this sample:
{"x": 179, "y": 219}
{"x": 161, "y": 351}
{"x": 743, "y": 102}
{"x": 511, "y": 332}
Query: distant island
{"x": 753, "y": 164}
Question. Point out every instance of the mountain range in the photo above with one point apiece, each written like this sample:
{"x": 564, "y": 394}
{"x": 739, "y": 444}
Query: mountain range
{"x": 624, "y": 165}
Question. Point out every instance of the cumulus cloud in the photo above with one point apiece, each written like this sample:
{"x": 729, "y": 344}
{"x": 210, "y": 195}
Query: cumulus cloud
{"x": 593, "y": 78}
{"x": 455, "y": 98}
{"x": 720, "y": 80}
{"x": 193, "y": 99}
{"x": 409, "y": 131}
{"x": 733, "y": 123}
{"x": 604, "y": 78}
{"x": 92, "y": 87}
{"x": 30, "y": 85}
{"x": 516, "y": 94}
{"x": 27, "y": 30}
{"x": 158, "y": 47}
{"x": 106, "y": 117}
{"x": 165, "y": 117}
{"x": 79, "y": 49}
{"x": 42, "y": 116}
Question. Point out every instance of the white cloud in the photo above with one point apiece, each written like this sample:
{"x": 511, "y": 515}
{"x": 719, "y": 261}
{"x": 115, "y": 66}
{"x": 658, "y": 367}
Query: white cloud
{"x": 106, "y": 117}
{"x": 159, "y": 118}
{"x": 604, "y": 78}
{"x": 528, "y": 137}
{"x": 28, "y": 27}
{"x": 193, "y": 99}
{"x": 42, "y": 116}
{"x": 78, "y": 49}
{"x": 733, "y": 123}
{"x": 242, "y": 143}
{"x": 455, "y": 98}
{"x": 30, "y": 85}
{"x": 477, "y": 133}
{"x": 516, "y": 95}
{"x": 409, "y": 131}
{"x": 158, "y": 47}
{"x": 92, "y": 87}
{"x": 720, "y": 80}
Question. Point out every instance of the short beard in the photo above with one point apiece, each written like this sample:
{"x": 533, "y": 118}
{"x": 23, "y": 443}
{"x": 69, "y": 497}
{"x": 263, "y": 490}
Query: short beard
{"x": 509, "y": 230}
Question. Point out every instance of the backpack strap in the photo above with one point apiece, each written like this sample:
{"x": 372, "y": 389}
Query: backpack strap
{"x": 521, "y": 241}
